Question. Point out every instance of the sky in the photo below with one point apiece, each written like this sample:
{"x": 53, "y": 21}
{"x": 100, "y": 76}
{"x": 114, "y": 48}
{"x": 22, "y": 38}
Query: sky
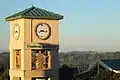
{"x": 87, "y": 24}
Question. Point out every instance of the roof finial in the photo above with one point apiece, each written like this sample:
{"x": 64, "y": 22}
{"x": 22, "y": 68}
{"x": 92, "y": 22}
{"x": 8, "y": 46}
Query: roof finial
{"x": 32, "y": 5}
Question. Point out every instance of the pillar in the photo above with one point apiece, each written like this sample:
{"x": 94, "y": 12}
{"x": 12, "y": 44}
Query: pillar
{"x": 26, "y": 78}
{"x": 14, "y": 78}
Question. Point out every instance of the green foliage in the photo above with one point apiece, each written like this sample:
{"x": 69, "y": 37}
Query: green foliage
{"x": 5, "y": 74}
{"x": 107, "y": 75}
{"x": 116, "y": 76}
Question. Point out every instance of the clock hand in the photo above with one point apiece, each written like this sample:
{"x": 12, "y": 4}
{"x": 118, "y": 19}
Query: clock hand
{"x": 16, "y": 31}
{"x": 42, "y": 31}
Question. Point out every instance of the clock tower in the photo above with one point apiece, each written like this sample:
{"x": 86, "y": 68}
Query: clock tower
{"x": 34, "y": 45}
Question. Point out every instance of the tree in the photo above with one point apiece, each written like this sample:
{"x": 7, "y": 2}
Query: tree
{"x": 116, "y": 76}
{"x": 107, "y": 75}
{"x": 5, "y": 74}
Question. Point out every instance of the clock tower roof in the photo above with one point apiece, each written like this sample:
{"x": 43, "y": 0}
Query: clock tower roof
{"x": 35, "y": 13}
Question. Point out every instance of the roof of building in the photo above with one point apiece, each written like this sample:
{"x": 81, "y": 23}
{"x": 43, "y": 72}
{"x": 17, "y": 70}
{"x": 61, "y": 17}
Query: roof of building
{"x": 113, "y": 63}
{"x": 109, "y": 64}
{"x": 36, "y": 13}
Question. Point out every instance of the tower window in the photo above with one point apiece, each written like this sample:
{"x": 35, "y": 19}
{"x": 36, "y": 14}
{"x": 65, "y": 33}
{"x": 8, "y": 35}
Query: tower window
{"x": 40, "y": 59}
{"x": 17, "y": 58}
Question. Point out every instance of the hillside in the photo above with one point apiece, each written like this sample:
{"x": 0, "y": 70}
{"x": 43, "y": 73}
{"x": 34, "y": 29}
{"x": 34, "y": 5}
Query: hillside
{"x": 4, "y": 58}
{"x": 73, "y": 58}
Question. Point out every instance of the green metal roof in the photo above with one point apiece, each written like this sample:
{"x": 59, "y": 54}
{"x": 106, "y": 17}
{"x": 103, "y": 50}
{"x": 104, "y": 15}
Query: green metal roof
{"x": 35, "y": 13}
{"x": 113, "y": 63}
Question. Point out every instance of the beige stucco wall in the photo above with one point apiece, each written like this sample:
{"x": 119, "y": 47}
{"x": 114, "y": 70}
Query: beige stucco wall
{"x": 19, "y": 44}
{"x": 27, "y": 27}
{"x": 25, "y": 32}
{"x": 26, "y": 59}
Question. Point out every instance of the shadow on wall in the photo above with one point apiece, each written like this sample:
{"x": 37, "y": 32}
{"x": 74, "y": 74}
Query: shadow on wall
{"x": 67, "y": 73}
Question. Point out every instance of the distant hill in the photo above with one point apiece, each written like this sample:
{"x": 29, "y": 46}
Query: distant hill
{"x": 4, "y": 58}
{"x": 73, "y": 58}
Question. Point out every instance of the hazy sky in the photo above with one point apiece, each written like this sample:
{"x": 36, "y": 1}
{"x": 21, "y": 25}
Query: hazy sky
{"x": 87, "y": 24}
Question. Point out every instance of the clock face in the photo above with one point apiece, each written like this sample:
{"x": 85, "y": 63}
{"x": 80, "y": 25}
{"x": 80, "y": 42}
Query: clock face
{"x": 16, "y": 31}
{"x": 43, "y": 31}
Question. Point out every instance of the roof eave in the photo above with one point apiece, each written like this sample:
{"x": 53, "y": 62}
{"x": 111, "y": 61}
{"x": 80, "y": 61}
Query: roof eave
{"x": 12, "y": 18}
{"x": 44, "y": 17}
{"x": 34, "y": 17}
